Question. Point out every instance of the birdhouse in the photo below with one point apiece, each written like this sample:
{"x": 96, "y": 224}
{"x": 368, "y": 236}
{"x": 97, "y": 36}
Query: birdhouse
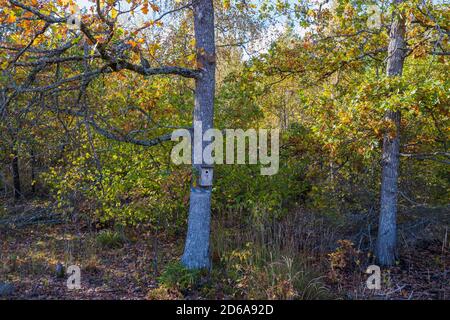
{"x": 206, "y": 176}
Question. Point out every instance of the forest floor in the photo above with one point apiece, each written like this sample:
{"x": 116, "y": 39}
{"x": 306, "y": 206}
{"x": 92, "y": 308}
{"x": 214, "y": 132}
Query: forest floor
{"x": 29, "y": 253}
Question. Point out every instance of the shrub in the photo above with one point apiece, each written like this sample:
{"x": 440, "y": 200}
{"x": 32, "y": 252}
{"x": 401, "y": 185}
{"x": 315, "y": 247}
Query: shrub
{"x": 177, "y": 276}
{"x": 110, "y": 239}
{"x": 164, "y": 293}
{"x": 260, "y": 275}
{"x": 344, "y": 260}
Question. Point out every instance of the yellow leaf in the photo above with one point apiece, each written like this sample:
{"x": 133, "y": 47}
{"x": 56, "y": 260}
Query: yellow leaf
{"x": 152, "y": 48}
{"x": 114, "y": 13}
{"x": 191, "y": 57}
{"x": 64, "y": 3}
{"x": 11, "y": 18}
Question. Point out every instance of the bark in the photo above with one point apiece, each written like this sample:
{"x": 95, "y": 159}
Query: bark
{"x": 196, "y": 251}
{"x": 33, "y": 170}
{"x": 387, "y": 228}
{"x": 16, "y": 175}
{"x": 4, "y": 184}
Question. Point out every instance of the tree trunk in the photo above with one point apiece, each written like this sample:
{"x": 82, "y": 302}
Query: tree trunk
{"x": 387, "y": 228}
{"x": 4, "y": 184}
{"x": 196, "y": 251}
{"x": 33, "y": 170}
{"x": 16, "y": 175}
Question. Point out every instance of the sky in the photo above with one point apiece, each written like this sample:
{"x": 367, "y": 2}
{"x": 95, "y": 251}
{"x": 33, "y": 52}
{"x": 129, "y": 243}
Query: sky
{"x": 274, "y": 29}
